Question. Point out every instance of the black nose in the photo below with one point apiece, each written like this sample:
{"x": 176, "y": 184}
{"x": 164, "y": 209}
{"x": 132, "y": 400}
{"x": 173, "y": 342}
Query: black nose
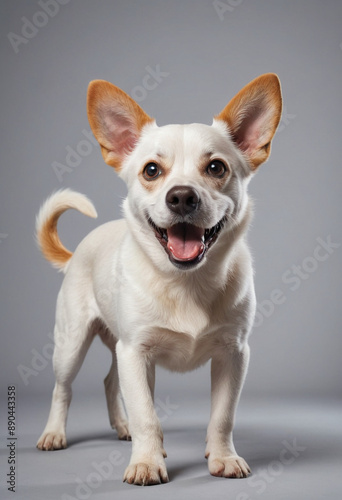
{"x": 182, "y": 200}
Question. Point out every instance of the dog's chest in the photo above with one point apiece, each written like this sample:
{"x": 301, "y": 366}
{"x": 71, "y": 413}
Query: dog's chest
{"x": 178, "y": 351}
{"x": 185, "y": 316}
{"x": 179, "y": 332}
{"x": 184, "y": 310}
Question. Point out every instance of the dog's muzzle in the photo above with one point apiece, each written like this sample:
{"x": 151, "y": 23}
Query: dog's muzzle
{"x": 185, "y": 243}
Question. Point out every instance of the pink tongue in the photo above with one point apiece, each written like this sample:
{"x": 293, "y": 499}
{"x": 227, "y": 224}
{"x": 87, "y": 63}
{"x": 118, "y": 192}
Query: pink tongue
{"x": 185, "y": 241}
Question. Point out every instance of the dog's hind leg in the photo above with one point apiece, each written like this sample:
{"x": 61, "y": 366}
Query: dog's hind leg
{"x": 72, "y": 341}
{"x": 116, "y": 412}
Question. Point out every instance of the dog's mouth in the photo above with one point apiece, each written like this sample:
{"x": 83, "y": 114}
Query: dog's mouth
{"x": 186, "y": 244}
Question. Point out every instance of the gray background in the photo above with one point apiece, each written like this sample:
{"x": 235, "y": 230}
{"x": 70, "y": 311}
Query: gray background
{"x": 206, "y": 57}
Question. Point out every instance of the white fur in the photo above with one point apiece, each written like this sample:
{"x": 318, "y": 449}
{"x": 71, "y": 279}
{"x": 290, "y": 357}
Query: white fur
{"x": 121, "y": 285}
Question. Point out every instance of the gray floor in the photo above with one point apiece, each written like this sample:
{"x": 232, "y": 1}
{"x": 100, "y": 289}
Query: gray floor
{"x": 294, "y": 449}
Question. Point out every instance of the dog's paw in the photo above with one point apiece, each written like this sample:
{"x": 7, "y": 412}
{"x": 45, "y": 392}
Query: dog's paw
{"x": 123, "y": 431}
{"x": 233, "y": 466}
{"x": 145, "y": 474}
{"x": 49, "y": 441}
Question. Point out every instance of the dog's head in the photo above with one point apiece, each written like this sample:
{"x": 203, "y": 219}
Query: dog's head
{"x": 187, "y": 184}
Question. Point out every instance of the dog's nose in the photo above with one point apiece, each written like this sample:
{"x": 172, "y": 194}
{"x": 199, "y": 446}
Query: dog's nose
{"x": 182, "y": 200}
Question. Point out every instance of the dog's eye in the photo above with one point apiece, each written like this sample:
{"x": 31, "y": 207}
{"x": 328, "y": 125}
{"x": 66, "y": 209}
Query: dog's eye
{"x": 217, "y": 169}
{"x": 151, "y": 171}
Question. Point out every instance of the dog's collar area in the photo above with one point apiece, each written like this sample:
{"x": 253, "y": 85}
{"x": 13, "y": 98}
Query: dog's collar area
{"x": 186, "y": 244}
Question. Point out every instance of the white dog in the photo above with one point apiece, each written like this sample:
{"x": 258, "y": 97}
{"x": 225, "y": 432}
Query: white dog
{"x": 172, "y": 283}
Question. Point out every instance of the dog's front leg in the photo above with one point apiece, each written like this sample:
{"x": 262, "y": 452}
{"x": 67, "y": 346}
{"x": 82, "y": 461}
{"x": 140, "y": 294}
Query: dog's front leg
{"x": 228, "y": 368}
{"x": 147, "y": 464}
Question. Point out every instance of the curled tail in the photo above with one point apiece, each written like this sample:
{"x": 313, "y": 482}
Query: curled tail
{"x": 46, "y": 224}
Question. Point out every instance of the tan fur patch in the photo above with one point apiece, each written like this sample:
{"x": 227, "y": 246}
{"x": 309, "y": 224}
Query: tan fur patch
{"x": 46, "y": 223}
{"x": 104, "y": 96}
{"x": 49, "y": 242}
{"x": 264, "y": 90}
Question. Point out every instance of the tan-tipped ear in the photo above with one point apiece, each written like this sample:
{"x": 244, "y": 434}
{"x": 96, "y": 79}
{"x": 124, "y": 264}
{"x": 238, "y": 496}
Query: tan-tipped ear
{"x": 115, "y": 119}
{"x": 253, "y": 116}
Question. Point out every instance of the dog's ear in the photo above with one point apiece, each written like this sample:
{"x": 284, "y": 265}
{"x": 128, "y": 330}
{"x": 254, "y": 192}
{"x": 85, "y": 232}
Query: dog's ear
{"x": 115, "y": 119}
{"x": 253, "y": 116}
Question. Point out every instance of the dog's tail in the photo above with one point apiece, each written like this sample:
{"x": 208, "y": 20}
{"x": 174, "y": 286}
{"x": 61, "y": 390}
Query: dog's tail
{"x": 46, "y": 224}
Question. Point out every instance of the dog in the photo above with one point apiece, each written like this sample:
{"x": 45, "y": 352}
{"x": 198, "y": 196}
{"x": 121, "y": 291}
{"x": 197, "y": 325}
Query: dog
{"x": 171, "y": 284}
